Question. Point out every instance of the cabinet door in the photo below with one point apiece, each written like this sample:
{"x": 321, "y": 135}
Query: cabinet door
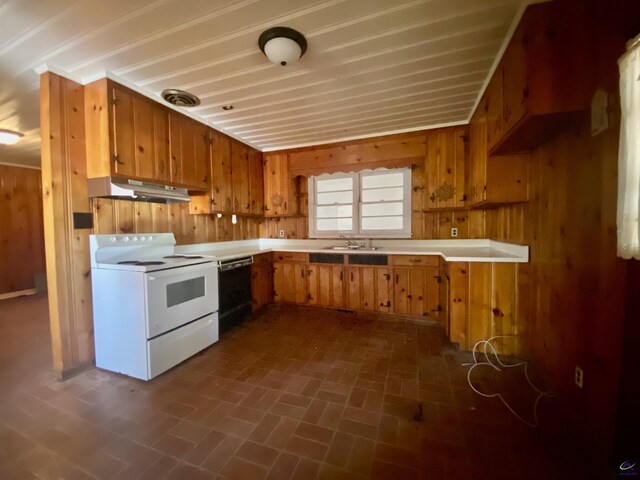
{"x": 493, "y": 106}
{"x": 417, "y": 290}
{"x": 261, "y": 281}
{"x": 383, "y": 290}
{"x": 299, "y": 281}
{"x": 401, "y": 290}
{"x": 432, "y": 305}
{"x": 256, "y": 183}
{"x": 368, "y": 288}
{"x": 314, "y": 285}
{"x": 289, "y": 289}
{"x": 189, "y": 151}
{"x": 122, "y": 137}
{"x": 278, "y": 282}
{"x": 221, "y": 174}
{"x": 477, "y": 164}
{"x": 151, "y": 137}
{"x": 240, "y": 177}
{"x": 337, "y": 286}
{"x": 515, "y": 88}
{"x": 445, "y": 169}
{"x": 277, "y": 185}
{"x": 353, "y": 288}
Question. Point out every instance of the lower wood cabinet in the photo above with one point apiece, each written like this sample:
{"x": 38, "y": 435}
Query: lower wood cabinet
{"x": 326, "y": 285}
{"x": 368, "y": 288}
{"x": 416, "y": 291}
{"x": 410, "y": 286}
{"x": 261, "y": 281}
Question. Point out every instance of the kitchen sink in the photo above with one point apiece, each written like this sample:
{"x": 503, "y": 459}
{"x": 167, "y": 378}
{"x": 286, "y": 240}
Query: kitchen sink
{"x": 351, "y": 248}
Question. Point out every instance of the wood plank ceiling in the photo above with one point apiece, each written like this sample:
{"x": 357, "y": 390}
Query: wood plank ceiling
{"x": 372, "y": 66}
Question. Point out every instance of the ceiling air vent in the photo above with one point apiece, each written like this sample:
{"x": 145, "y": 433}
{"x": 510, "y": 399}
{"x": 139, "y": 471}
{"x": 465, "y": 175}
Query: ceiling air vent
{"x": 180, "y": 98}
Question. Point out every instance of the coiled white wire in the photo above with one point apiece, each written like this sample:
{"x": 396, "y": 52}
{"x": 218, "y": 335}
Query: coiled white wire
{"x": 488, "y": 345}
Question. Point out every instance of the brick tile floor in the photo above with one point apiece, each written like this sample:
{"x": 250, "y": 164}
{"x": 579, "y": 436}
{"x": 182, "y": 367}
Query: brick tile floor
{"x": 293, "y": 393}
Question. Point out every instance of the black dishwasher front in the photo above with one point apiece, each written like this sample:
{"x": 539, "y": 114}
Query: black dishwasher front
{"x": 234, "y": 289}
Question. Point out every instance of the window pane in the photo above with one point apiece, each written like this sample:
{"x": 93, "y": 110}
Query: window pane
{"x": 333, "y": 184}
{"x": 334, "y": 224}
{"x": 345, "y": 224}
{"x": 381, "y": 209}
{"x": 382, "y": 194}
{"x": 385, "y": 180}
{"x": 334, "y": 197}
{"x": 334, "y": 211}
{"x": 327, "y": 224}
{"x": 381, "y": 223}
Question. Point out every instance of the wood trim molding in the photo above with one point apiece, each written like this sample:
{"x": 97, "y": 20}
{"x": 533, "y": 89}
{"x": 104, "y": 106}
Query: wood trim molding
{"x": 19, "y": 293}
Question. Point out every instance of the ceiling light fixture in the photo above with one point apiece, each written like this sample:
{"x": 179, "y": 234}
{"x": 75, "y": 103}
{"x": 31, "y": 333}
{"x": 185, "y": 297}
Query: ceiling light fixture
{"x": 227, "y": 107}
{"x": 282, "y": 45}
{"x": 9, "y": 137}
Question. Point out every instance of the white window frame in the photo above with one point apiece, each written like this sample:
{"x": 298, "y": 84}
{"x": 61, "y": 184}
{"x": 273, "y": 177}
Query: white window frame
{"x": 357, "y": 231}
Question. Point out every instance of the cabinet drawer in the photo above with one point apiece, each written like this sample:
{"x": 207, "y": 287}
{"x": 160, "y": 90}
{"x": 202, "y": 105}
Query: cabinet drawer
{"x": 416, "y": 260}
{"x": 290, "y": 257}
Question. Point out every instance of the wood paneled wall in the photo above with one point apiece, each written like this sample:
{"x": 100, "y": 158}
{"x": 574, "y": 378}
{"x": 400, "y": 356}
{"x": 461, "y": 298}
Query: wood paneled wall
{"x": 122, "y": 216}
{"x": 21, "y": 231}
{"x": 64, "y": 191}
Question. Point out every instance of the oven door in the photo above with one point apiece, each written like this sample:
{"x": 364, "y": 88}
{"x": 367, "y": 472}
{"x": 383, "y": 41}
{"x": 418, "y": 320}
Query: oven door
{"x": 180, "y": 295}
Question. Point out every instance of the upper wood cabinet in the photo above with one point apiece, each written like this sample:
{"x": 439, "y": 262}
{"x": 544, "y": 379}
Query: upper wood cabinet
{"x": 256, "y": 183}
{"x": 126, "y": 134}
{"x": 493, "y": 180}
{"x": 492, "y": 105}
{"x": 190, "y": 144}
{"x": 236, "y": 181}
{"x": 544, "y": 77}
{"x": 221, "y": 186}
{"x": 279, "y": 187}
{"x": 445, "y": 169}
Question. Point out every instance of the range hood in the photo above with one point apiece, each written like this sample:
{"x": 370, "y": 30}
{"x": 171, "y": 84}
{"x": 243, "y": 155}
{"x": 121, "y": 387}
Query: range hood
{"x": 128, "y": 189}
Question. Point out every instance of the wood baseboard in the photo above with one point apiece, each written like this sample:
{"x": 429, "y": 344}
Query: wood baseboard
{"x": 19, "y": 293}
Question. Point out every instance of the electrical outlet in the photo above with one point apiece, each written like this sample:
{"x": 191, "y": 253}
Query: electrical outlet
{"x": 281, "y": 233}
{"x": 454, "y": 232}
{"x": 579, "y": 377}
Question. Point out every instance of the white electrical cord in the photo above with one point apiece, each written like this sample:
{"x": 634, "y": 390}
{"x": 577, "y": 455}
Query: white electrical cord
{"x": 488, "y": 345}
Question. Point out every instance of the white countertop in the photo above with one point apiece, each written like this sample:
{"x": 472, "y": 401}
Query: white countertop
{"x": 480, "y": 250}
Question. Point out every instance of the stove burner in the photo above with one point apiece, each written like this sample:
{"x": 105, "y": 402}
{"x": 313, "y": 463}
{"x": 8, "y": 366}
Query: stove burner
{"x": 183, "y": 256}
{"x": 138, "y": 262}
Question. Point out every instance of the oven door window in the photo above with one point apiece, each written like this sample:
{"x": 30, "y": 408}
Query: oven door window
{"x": 184, "y": 291}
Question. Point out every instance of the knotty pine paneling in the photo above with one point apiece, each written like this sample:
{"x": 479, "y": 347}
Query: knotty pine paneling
{"x": 21, "y": 228}
{"x": 123, "y": 216}
{"x": 64, "y": 191}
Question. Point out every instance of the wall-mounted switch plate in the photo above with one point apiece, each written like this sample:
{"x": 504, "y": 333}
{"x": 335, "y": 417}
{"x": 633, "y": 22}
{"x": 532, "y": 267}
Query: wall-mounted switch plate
{"x": 454, "y": 232}
{"x": 281, "y": 233}
{"x": 579, "y": 378}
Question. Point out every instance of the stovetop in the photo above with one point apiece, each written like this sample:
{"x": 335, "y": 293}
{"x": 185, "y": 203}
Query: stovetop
{"x": 139, "y": 253}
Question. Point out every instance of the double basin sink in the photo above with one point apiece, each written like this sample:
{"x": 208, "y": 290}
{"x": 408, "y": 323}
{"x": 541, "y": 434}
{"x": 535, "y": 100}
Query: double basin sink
{"x": 352, "y": 248}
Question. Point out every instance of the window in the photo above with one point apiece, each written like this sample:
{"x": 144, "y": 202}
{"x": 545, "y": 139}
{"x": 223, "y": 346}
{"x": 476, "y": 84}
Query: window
{"x": 372, "y": 203}
{"x": 629, "y": 153}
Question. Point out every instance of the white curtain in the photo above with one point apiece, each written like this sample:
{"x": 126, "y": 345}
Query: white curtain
{"x": 629, "y": 153}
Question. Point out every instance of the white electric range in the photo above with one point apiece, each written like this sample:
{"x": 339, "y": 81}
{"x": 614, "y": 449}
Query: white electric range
{"x": 152, "y": 309}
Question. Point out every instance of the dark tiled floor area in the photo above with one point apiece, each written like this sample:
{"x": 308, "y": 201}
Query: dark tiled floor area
{"x": 294, "y": 393}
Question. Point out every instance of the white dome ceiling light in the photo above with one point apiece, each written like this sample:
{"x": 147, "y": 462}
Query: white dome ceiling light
{"x": 282, "y": 45}
{"x": 9, "y": 137}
